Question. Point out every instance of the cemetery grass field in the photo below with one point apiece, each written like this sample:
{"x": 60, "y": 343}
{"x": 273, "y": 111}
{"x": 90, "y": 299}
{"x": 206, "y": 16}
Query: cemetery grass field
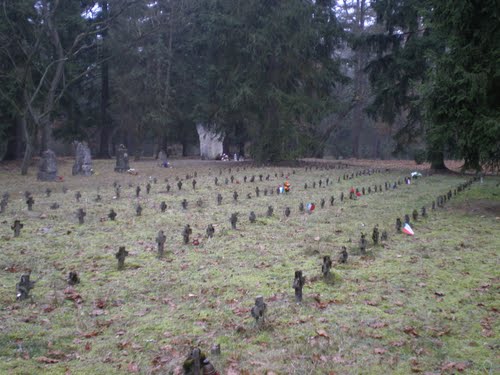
{"x": 422, "y": 304}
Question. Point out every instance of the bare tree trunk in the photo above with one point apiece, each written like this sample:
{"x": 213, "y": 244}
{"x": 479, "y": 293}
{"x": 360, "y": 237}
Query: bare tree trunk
{"x": 105, "y": 130}
{"x": 28, "y": 150}
{"x": 46, "y": 124}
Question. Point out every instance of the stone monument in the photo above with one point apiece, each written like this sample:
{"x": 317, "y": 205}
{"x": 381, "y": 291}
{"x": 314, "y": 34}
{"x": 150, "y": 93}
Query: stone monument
{"x": 47, "y": 168}
{"x": 83, "y": 160}
{"x": 122, "y": 159}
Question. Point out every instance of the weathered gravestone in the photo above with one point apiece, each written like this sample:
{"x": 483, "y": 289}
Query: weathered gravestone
{"x": 162, "y": 159}
{"x": 198, "y": 364}
{"x": 186, "y": 232}
{"x": 343, "y": 255}
{"x": 73, "y": 278}
{"x": 47, "y": 168}
{"x": 30, "y": 202}
{"x": 80, "y": 214}
{"x": 258, "y": 311}
{"x": 121, "y": 255}
{"x": 375, "y": 235}
{"x": 287, "y": 211}
{"x": 122, "y": 159}
{"x": 398, "y": 225}
{"x": 210, "y": 231}
{"x": 233, "y": 220}
{"x": 424, "y": 212}
{"x": 363, "y": 243}
{"x": 298, "y": 283}
{"x": 23, "y": 287}
{"x": 3, "y": 205}
{"x": 83, "y": 160}
{"x": 160, "y": 240}
{"x": 326, "y": 266}
{"x": 16, "y": 227}
{"x": 211, "y": 143}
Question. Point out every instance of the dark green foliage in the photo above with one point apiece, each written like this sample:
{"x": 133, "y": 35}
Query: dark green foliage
{"x": 438, "y": 64}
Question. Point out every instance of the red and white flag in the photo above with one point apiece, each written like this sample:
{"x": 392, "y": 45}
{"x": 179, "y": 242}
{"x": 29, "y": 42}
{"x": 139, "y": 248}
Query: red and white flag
{"x": 407, "y": 229}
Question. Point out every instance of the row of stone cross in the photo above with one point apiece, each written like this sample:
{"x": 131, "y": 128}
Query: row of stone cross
{"x": 258, "y": 311}
{"x": 81, "y": 214}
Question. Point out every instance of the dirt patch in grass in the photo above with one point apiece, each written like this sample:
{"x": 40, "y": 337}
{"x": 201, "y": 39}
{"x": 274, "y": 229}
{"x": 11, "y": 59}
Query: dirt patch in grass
{"x": 480, "y": 207}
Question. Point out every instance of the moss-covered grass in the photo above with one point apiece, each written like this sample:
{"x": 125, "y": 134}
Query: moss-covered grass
{"x": 427, "y": 303}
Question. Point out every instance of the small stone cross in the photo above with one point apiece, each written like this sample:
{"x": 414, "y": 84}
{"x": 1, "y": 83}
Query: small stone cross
{"x": 160, "y": 240}
{"x": 80, "y": 214}
{"x": 16, "y": 227}
{"x": 298, "y": 284}
{"x": 121, "y": 255}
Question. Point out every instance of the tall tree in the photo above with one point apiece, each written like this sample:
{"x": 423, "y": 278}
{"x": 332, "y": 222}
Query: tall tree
{"x": 438, "y": 66}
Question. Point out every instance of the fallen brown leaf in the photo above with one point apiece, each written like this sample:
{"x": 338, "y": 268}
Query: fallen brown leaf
{"x": 410, "y": 331}
{"x": 379, "y": 351}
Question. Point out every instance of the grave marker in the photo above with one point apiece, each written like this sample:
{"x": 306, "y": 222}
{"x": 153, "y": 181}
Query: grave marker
{"x": 121, "y": 255}
{"x": 363, "y": 243}
{"x": 73, "y": 278}
{"x": 258, "y": 311}
{"x": 23, "y": 287}
{"x": 327, "y": 265}
{"x": 398, "y": 225}
{"x": 298, "y": 283}
{"x": 210, "y": 231}
{"x": 375, "y": 235}
{"x": 16, "y": 227}
{"x": 121, "y": 159}
{"x": 30, "y": 202}
{"x": 80, "y": 214}
{"x": 233, "y": 220}
{"x": 343, "y": 255}
{"x": 160, "y": 240}
{"x": 187, "y": 231}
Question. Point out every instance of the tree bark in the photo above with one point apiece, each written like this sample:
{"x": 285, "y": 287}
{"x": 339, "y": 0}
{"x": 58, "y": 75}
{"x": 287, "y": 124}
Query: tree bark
{"x": 105, "y": 128}
{"x": 28, "y": 150}
{"x": 436, "y": 159}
